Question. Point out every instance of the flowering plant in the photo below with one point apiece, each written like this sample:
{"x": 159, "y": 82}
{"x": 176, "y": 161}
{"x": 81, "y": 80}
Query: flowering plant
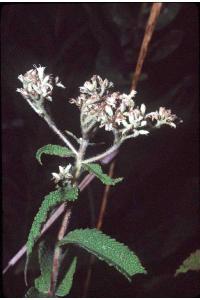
{"x": 99, "y": 107}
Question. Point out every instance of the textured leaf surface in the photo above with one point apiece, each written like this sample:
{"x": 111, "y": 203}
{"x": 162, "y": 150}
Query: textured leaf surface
{"x": 98, "y": 172}
{"x": 52, "y": 199}
{"x": 34, "y": 293}
{"x": 42, "y": 283}
{"x": 105, "y": 248}
{"x": 53, "y": 150}
{"x": 66, "y": 284}
{"x": 192, "y": 263}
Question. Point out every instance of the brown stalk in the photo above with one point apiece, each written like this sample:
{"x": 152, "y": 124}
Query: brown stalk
{"x": 150, "y": 26}
{"x": 151, "y": 23}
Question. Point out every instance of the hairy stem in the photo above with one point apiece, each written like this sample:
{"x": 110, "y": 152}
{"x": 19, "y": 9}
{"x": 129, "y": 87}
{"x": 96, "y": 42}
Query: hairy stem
{"x": 80, "y": 156}
{"x": 58, "y": 252}
{"x": 43, "y": 114}
{"x": 65, "y": 222}
{"x": 102, "y": 155}
{"x": 59, "y": 133}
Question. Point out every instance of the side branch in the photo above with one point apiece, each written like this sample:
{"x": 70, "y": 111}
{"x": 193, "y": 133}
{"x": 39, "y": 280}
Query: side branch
{"x": 102, "y": 155}
{"x": 59, "y": 133}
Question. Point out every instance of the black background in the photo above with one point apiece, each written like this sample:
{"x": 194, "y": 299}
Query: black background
{"x": 155, "y": 211}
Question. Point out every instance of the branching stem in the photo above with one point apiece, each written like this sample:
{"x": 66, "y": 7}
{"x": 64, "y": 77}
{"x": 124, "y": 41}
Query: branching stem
{"x": 42, "y": 113}
{"x": 102, "y": 155}
{"x": 59, "y": 133}
{"x": 65, "y": 222}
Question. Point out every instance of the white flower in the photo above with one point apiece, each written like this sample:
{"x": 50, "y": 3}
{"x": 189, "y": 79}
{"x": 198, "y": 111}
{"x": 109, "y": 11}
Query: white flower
{"x": 119, "y": 117}
{"x": 116, "y": 112}
{"x": 63, "y": 175}
{"x": 58, "y": 83}
{"x": 96, "y": 85}
{"x": 163, "y": 117}
{"x": 37, "y": 85}
{"x": 143, "y": 108}
{"x": 111, "y": 100}
{"x": 109, "y": 110}
{"x": 88, "y": 87}
{"x": 127, "y": 100}
{"x": 108, "y": 127}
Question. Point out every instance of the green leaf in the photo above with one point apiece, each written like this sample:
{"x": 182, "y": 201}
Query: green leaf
{"x": 105, "y": 248}
{"x": 53, "y": 150}
{"x": 98, "y": 172}
{"x": 66, "y": 284}
{"x": 34, "y": 293}
{"x": 42, "y": 283}
{"x": 192, "y": 263}
{"x": 50, "y": 201}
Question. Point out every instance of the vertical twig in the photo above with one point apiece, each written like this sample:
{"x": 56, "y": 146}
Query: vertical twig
{"x": 150, "y": 26}
{"x": 151, "y": 23}
{"x": 65, "y": 221}
{"x": 57, "y": 253}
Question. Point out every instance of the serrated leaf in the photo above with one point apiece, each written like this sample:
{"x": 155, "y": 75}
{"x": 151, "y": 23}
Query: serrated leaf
{"x": 98, "y": 172}
{"x": 51, "y": 200}
{"x": 53, "y": 150}
{"x": 106, "y": 248}
{"x": 34, "y": 293}
{"x": 192, "y": 263}
{"x": 66, "y": 284}
{"x": 42, "y": 283}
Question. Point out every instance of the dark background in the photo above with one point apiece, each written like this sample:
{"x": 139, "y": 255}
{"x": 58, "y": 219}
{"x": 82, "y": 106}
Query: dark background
{"x": 155, "y": 211}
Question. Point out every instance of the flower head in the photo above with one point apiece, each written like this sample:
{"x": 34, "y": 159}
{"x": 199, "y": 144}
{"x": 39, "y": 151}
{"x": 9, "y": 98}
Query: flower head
{"x": 64, "y": 174}
{"x": 115, "y": 111}
{"x": 163, "y": 117}
{"x": 96, "y": 85}
{"x": 37, "y": 85}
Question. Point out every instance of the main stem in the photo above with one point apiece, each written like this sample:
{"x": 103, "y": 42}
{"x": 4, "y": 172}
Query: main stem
{"x": 65, "y": 221}
{"x": 58, "y": 252}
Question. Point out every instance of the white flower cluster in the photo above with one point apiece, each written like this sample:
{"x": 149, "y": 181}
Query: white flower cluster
{"x": 38, "y": 86}
{"x": 96, "y": 86}
{"x": 163, "y": 116}
{"x": 118, "y": 112}
{"x": 64, "y": 175}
